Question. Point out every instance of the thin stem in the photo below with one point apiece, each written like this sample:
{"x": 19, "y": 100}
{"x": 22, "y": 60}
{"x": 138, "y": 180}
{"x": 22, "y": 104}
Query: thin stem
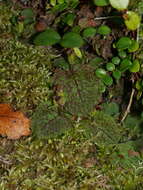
{"x": 129, "y": 105}
{"x": 104, "y": 18}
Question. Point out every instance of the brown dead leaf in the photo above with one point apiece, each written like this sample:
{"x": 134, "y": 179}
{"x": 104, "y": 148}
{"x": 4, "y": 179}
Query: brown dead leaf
{"x": 13, "y": 124}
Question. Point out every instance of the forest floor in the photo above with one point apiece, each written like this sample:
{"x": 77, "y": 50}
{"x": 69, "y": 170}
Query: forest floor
{"x": 72, "y": 72}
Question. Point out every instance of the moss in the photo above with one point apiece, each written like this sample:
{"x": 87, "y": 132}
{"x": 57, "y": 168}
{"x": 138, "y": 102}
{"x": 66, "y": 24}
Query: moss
{"x": 72, "y": 161}
{"x": 24, "y": 79}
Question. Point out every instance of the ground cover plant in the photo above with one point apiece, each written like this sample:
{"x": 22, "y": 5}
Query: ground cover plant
{"x": 74, "y": 69}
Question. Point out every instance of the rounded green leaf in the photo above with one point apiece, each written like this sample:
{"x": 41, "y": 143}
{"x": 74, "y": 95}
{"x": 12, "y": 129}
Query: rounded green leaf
{"x": 107, "y": 80}
{"x": 123, "y": 43}
{"x": 134, "y": 46}
{"x": 104, "y": 30}
{"x": 47, "y": 38}
{"x": 125, "y": 65}
{"x": 132, "y": 20}
{"x": 117, "y": 74}
{"x": 110, "y": 66}
{"x": 100, "y": 73}
{"x": 89, "y": 32}
{"x": 122, "y": 54}
{"x": 101, "y": 2}
{"x": 116, "y": 60}
{"x": 135, "y": 66}
{"x": 119, "y": 4}
{"x": 71, "y": 40}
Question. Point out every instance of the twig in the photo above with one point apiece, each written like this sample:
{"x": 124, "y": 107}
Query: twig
{"x": 104, "y": 18}
{"x": 129, "y": 106}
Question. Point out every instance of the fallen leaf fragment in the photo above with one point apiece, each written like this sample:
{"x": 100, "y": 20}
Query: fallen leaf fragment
{"x": 13, "y": 124}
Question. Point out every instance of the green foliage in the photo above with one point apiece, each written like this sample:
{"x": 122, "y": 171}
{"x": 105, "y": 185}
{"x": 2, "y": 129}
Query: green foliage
{"x": 71, "y": 40}
{"x": 124, "y": 43}
{"x": 110, "y": 66}
{"x": 132, "y": 20}
{"x": 101, "y": 2}
{"x": 125, "y": 65}
{"x": 47, "y": 38}
{"x": 119, "y": 4}
{"x": 135, "y": 66}
{"x": 24, "y": 79}
{"x": 89, "y": 32}
{"x": 104, "y": 30}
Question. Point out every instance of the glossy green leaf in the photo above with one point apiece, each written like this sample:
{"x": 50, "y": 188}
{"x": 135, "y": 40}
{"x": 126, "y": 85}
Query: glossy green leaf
{"x": 119, "y": 4}
{"x": 100, "y": 73}
{"x": 117, "y": 74}
{"x": 107, "y": 80}
{"x": 116, "y": 60}
{"x": 122, "y": 54}
{"x": 123, "y": 43}
{"x": 125, "y": 65}
{"x": 89, "y": 32}
{"x": 101, "y": 2}
{"x": 135, "y": 66}
{"x": 134, "y": 46}
{"x": 47, "y": 38}
{"x": 71, "y": 40}
{"x": 104, "y": 30}
{"x": 110, "y": 66}
{"x": 132, "y": 20}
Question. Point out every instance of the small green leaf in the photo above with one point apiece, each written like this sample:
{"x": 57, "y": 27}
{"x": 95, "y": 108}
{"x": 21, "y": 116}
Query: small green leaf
{"x": 71, "y": 40}
{"x": 125, "y": 65}
{"x": 47, "y": 38}
{"x": 89, "y": 32}
{"x": 104, "y": 30}
{"x": 122, "y": 54}
{"x": 101, "y": 2}
{"x": 110, "y": 66}
{"x": 123, "y": 43}
{"x": 78, "y": 52}
{"x": 138, "y": 85}
{"x": 116, "y": 60}
{"x": 135, "y": 66}
{"x": 69, "y": 19}
{"x": 119, "y": 4}
{"x": 117, "y": 74}
{"x": 100, "y": 73}
{"x": 134, "y": 46}
{"x": 132, "y": 20}
{"x": 107, "y": 80}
